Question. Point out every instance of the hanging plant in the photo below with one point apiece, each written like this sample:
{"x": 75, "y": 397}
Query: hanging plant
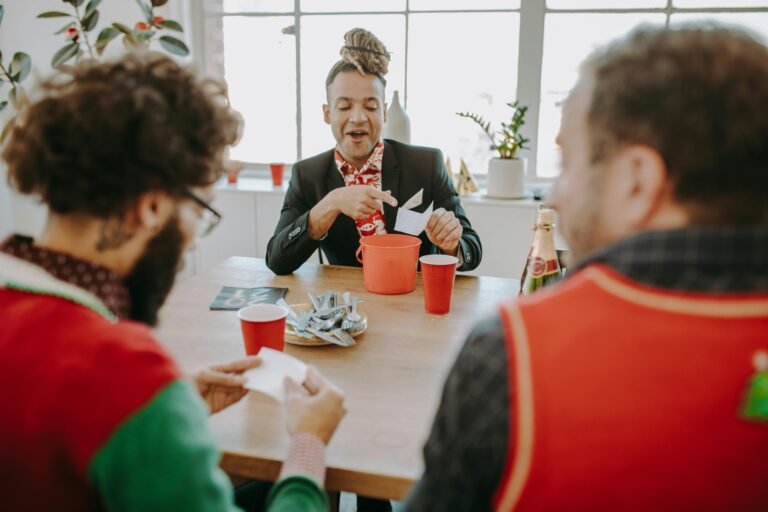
{"x": 14, "y": 73}
{"x": 83, "y": 21}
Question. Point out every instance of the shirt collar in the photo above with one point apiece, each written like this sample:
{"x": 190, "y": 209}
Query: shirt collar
{"x": 373, "y": 164}
{"x": 96, "y": 279}
{"x": 728, "y": 259}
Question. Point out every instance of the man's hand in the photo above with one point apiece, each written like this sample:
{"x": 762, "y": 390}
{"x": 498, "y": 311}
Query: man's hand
{"x": 222, "y": 385}
{"x": 315, "y": 408}
{"x": 355, "y": 201}
{"x": 360, "y": 201}
{"x": 444, "y": 230}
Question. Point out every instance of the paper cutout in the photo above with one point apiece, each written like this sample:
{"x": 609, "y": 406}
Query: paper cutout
{"x": 414, "y": 201}
{"x": 412, "y": 223}
{"x": 268, "y": 377}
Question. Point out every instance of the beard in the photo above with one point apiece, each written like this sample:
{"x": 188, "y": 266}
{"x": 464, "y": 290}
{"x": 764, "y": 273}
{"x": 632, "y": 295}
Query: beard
{"x": 152, "y": 278}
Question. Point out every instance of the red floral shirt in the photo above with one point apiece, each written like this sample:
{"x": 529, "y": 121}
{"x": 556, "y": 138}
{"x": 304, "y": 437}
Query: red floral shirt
{"x": 370, "y": 174}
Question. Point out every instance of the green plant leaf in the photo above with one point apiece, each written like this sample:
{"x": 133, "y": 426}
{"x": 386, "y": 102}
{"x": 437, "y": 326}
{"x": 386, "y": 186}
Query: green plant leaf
{"x": 7, "y": 129}
{"x": 17, "y": 97}
{"x": 2, "y": 11}
{"x": 105, "y": 37}
{"x": 122, "y": 28}
{"x": 3, "y": 104}
{"x": 171, "y": 25}
{"x": 64, "y": 54}
{"x": 147, "y": 11}
{"x": 89, "y": 22}
{"x": 129, "y": 41}
{"x": 143, "y": 36}
{"x": 174, "y": 46}
{"x": 20, "y": 66}
{"x": 54, "y": 14}
{"x": 77, "y": 3}
{"x": 92, "y": 5}
{"x": 65, "y": 28}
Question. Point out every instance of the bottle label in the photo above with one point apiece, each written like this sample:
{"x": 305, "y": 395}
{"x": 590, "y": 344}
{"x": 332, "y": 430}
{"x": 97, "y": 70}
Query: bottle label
{"x": 541, "y": 267}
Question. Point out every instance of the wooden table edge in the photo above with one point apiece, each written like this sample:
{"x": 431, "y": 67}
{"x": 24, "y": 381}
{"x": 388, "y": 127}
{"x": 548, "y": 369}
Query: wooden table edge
{"x": 365, "y": 484}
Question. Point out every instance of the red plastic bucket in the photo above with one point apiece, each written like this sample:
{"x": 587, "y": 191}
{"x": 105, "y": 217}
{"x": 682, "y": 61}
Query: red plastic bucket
{"x": 389, "y": 263}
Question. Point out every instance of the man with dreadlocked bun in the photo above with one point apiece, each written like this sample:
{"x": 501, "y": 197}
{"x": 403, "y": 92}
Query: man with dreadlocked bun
{"x": 352, "y": 190}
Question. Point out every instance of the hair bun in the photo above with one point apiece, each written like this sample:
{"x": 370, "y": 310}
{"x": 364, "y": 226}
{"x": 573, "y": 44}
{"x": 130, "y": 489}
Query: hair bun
{"x": 366, "y": 52}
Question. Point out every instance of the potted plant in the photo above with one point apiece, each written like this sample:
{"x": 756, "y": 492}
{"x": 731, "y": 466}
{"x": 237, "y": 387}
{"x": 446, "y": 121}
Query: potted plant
{"x": 506, "y": 172}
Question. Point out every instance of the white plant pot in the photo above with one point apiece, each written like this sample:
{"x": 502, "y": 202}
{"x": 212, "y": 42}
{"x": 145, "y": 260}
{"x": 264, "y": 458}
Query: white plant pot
{"x": 506, "y": 178}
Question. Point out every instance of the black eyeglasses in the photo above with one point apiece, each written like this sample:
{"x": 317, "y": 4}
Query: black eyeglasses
{"x": 209, "y": 219}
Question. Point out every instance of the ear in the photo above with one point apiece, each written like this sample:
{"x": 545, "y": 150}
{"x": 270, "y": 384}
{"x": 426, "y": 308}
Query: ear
{"x": 640, "y": 185}
{"x": 386, "y": 107}
{"x": 152, "y": 210}
{"x": 326, "y": 113}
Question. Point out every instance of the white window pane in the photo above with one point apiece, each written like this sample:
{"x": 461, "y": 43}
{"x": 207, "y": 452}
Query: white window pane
{"x": 352, "y": 5}
{"x": 461, "y": 62}
{"x": 458, "y": 5}
{"x": 719, "y": 3}
{"x": 568, "y": 40}
{"x": 321, "y": 39}
{"x": 757, "y": 22}
{"x": 249, "y": 5}
{"x": 605, "y": 4}
{"x": 260, "y": 68}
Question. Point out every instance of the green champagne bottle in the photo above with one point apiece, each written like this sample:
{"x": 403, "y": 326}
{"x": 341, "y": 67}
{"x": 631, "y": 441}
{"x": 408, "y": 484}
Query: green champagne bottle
{"x": 542, "y": 267}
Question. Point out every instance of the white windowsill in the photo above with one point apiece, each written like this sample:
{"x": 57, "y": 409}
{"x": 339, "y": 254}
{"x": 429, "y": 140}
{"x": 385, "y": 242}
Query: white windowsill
{"x": 264, "y": 186}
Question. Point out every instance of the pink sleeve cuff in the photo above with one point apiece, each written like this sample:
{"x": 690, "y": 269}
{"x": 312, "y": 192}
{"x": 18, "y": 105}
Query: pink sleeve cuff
{"x": 306, "y": 456}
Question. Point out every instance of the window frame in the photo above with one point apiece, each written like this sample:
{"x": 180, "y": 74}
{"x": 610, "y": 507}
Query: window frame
{"x": 532, "y": 15}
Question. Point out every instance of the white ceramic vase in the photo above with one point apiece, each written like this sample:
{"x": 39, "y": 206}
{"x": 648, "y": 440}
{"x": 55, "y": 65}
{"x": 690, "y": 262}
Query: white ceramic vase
{"x": 506, "y": 178}
{"x": 398, "y": 126}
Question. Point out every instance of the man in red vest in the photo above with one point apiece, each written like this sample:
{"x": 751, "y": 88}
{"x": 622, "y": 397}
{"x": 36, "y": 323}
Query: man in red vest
{"x": 95, "y": 413}
{"x": 639, "y": 382}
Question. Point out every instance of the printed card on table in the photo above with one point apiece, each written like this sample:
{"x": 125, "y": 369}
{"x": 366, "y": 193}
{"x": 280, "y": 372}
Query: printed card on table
{"x": 268, "y": 378}
{"x": 231, "y": 298}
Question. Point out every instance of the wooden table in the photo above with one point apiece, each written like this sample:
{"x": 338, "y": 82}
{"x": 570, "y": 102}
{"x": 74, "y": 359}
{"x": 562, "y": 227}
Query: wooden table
{"x": 392, "y": 378}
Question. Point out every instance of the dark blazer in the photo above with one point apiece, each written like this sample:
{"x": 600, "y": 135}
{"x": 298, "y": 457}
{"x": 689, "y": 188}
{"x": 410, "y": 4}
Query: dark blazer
{"x": 405, "y": 170}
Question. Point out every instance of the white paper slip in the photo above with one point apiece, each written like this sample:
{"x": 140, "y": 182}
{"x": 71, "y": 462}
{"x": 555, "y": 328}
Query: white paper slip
{"x": 412, "y": 223}
{"x": 415, "y": 200}
{"x": 275, "y": 366}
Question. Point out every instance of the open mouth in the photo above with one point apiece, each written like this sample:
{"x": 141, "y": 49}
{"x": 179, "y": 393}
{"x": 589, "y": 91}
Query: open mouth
{"x": 357, "y": 134}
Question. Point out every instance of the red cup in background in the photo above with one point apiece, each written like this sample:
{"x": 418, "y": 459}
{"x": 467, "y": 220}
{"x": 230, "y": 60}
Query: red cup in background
{"x": 438, "y": 273}
{"x": 277, "y": 174}
{"x": 263, "y": 325}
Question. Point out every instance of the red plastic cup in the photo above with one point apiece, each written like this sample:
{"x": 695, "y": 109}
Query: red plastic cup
{"x": 277, "y": 174}
{"x": 263, "y": 325}
{"x": 438, "y": 272}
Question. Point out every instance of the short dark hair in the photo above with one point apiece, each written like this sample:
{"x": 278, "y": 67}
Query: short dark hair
{"x": 697, "y": 94}
{"x": 105, "y": 133}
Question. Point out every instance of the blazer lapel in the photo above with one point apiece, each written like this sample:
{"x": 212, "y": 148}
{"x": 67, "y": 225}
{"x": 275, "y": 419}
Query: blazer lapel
{"x": 390, "y": 180}
{"x": 333, "y": 177}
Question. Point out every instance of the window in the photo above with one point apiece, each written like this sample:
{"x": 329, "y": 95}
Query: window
{"x": 447, "y": 56}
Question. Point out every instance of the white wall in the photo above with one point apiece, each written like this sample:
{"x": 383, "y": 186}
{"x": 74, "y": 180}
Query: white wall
{"x": 22, "y": 31}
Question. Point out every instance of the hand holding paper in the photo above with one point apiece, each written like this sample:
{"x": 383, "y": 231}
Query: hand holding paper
{"x": 221, "y": 385}
{"x": 444, "y": 230}
{"x": 315, "y": 408}
{"x": 268, "y": 378}
{"x": 410, "y": 222}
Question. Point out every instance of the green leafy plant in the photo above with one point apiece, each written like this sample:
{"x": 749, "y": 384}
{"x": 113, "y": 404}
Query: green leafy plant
{"x": 14, "y": 73}
{"x": 508, "y": 140}
{"x": 83, "y": 21}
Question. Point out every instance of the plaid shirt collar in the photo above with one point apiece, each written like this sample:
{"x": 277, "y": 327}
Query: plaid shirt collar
{"x": 726, "y": 259}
